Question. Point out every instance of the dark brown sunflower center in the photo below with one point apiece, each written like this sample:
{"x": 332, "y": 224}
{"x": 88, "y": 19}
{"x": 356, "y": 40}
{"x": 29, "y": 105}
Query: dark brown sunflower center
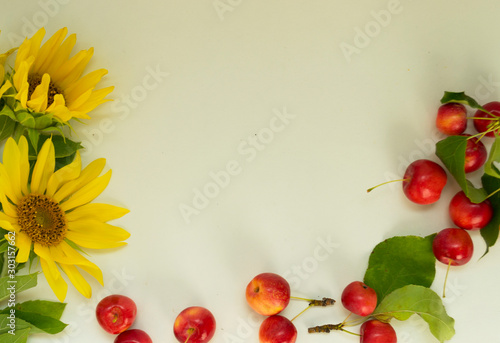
{"x": 41, "y": 219}
{"x": 34, "y": 80}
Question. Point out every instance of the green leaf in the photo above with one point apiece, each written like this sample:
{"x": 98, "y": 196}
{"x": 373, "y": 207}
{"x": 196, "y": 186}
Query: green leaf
{"x": 7, "y": 127}
{"x": 404, "y": 302}
{"x": 52, "y": 309}
{"x": 44, "y": 323}
{"x": 494, "y": 156}
{"x": 19, "y": 283}
{"x": 43, "y": 121}
{"x": 19, "y": 336}
{"x": 401, "y": 261}
{"x": 26, "y": 119}
{"x": 461, "y": 98}
{"x": 451, "y": 151}
{"x": 7, "y": 111}
{"x": 491, "y": 230}
{"x": 34, "y": 136}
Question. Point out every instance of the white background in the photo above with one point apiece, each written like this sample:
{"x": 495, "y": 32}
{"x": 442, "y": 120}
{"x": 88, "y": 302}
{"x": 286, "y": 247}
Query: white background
{"x": 198, "y": 82}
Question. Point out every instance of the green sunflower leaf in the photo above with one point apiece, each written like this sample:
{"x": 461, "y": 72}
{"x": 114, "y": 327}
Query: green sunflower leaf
{"x": 7, "y": 127}
{"x": 39, "y": 321}
{"x": 17, "y": 284}
{"x": 18, "y": 336}
{"x": 19, "y": 325}
{"x": 404, "y": 302}
{"x": 401, "y": 261}
{"x": 451, "y": 151}
{"x": 7, "y": 111}
{"x": 52, "y": 309}
{"x": 25, "y": 119}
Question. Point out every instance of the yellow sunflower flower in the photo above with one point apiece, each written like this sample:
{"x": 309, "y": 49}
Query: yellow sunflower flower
{"x": 53, "y": 213}
{"x": 48, "y": 80}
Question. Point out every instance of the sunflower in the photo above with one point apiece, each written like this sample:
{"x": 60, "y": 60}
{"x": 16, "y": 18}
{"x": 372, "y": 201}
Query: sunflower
{"x": 47, "y": 80}
{"x": 52, "y": 214}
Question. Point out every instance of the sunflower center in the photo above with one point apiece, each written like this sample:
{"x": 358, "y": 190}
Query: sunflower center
{"x": 41, "y": 219}
{"x": 34, "y": 80}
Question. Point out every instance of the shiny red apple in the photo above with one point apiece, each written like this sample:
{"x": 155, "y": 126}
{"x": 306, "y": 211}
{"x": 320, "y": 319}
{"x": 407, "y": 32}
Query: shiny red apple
{"x": 194, "y": 324}
{"x": 268, "y": 293}
{"x": 116, "y": 313}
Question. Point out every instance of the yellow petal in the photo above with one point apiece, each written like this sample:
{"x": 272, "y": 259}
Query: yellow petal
{"x": 12, "y": 163}
{"x": 7, "y": 225}
{"x": 72, "y": 255}
{"x": 20, "y": 80}
{"x": 93, "y": 229}
{"x": 81, "y": 240}
{"x": 23, "y": 242}
{"x": 87, "y": 193}
{"x": 72, "y": 69}
{"x": 24, "y": 164}
{"x": 44, "y": 167}
{"x": 64, "y": 175}
{"x": 87, "y": 82}
{"x": 6, "y": 85}
{"x": 100, "y": 212}
{"x": 54, "y": 279}
{"x": 61, "y": 55}
{"x": 77, "y": 280}
{"x": 96, "y": 99}
{"x": 87, "y": 175}
{"x": 29, "y": 48}
{"x": 39, "y": 99}
{"x": 58, "y": 108}
{"x": 5, "y": 217}
{"x": 48, "y": 51}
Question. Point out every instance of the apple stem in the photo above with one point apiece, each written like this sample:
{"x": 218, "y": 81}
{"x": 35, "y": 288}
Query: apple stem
{"x": 327, "y": 328}
{"x": 446, "y": 279}
{"x": 191, "y": 331}
{"x": 496, "y": 191}
{"x": 304, "y": 310}
{"x": 313, "y": 302}
{"x": 385, "y": 183}
{"x": 344, "y": 321}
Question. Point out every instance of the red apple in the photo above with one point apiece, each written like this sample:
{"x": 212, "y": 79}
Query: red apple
{"x": 475, "y": 154}
{"x": 116, "y": 313}
{"x": 468, "y": 215}
{"x": 453, "y": 246}
{"x": 277, "y": 329}
{"x": 451, "y": 119}
{"x": 483, "y": 125}
{"x": 268, "y": 293}
{"x": 424, "y": 181}
{"x": 375, "y": 331}
{"x": 359, "y": 298}
{"x": 133, "y": 336}
{"x": 194, "y": 324}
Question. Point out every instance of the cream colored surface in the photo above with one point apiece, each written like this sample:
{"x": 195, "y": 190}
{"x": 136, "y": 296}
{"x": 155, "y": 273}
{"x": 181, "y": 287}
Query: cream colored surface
{"x": 243, "y": 137}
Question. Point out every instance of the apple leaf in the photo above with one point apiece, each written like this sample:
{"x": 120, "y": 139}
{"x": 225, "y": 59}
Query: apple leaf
{"x": 451, "y": 151}
{"x": 53, "y": 309}
{"x": 461, "y": 98}
{"x": 494, "y": 156}
{"x": 490, "y": 231}
{"x": 401, "y": 261}
{"x": 404, "y": 302}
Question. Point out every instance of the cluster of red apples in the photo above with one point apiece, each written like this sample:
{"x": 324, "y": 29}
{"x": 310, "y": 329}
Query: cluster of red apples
{"x": 116, "y": 313}
{"x": 269, "y": 294}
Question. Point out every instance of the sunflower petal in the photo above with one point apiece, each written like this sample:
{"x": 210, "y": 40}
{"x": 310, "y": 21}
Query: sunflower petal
{"x": 12, "y": 162}
{"x": 23, "y": 242}
{"x": 54, "y": 279}
{"x": 88, "y": 174}
{"x": 77, "y": 280}
{"x": 44, "y": 167}
{"x": 24, "y": 164}
{"x": 87, "y": 82}
{"x": 58, "y": 108}
{"x": 73, "y": 68}
{"x": 39, "y": 99}
{"x": 72, "y": 255}
{"x": 64, "y": 175}
{"x": 85, "y": 242}
{"x": 7, "y": 83}
{"x": 93, "y": 229}
{"x": 29, "y": 48}
{"x": 7, "y": 225}
{"x": 96, "y": 99}
{"x": 62, "y": 55}
{"x": 87, "y": 193}
{"x": 100, "y": 212}
{"x": 48, "y": 50}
